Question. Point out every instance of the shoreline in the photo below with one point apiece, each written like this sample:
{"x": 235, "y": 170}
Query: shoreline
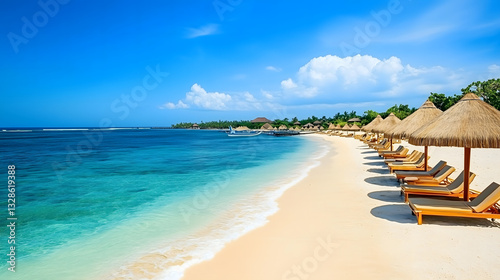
{"x": 346, "y": 220}
{"x": 170, "y": 260}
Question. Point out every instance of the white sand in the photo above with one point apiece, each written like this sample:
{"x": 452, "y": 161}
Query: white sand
{"x": 346, "y": 220}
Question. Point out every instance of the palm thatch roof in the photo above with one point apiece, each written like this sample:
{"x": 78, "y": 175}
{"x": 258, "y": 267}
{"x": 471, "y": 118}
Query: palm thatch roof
{"x": 316, "y": 122}
{"x": 241, "y": 128}
{"x": 373, "y": 123}
{"x": 308, "y": 125}
{"x": 425, "y": 114}
{"x": 261, "y": 120}
{"x": 331, "y": 126}
{"x": 354, "y": 127}
{"x": 282, "y": 127}
{"x": 346, "y": 127}
{"x": 297, "y": 123}
{"x": 354, "y": 120}
{"x": 471, "y": 123}
{"x": 387, "y": 124}
{"x": 267, "y": 127}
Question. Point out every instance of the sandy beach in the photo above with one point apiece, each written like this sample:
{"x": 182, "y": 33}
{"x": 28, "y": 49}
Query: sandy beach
{"x": 347, "y": 220}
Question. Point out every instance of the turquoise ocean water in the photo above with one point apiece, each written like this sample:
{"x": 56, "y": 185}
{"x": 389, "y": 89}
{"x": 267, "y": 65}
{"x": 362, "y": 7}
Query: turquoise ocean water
{"x": 141, "y": 203}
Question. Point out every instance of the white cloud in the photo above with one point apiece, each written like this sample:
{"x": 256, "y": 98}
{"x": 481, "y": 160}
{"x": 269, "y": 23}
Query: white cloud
{"x": 171, "y": 106}
{"x": 494, "y": 71}
{"x": 205, "y": 30}
{"x": 198, "y": 97}
{"x": 342, "y": 79}
{"x": 288, "y": 84}
{"x": 266, "y": 94}
{"x": 207, "y": 100}
{"x": 272, "y": 68}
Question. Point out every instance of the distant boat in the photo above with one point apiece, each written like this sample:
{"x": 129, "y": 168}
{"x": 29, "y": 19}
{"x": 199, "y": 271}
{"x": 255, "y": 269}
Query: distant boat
{"x": 242, "y": 133}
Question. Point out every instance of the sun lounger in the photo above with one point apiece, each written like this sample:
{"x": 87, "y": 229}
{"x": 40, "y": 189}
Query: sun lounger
{"x": 412, "y": 157}
{"x": 483, "y": 206}
{"x": 439, "y": 179}
{"x": 418, "y": 165}
{"x": 397, "y": 151}
{"x": 455, "y": 189}
{"x": 421, "y": 174}
{"x": 402, "y": 154}
{"x": 380, "y": 144}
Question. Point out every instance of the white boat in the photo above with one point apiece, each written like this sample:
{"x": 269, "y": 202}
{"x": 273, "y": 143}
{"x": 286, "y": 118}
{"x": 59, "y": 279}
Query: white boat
{"x": 242, "y": 133}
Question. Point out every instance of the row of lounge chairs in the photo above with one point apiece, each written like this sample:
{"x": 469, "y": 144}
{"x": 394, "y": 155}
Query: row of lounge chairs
{"x": 433, "y": 192}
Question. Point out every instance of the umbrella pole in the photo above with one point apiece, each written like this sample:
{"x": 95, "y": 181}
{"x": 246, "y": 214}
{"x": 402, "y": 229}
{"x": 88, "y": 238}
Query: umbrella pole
{"x": 425, "y": 159}
{"x": 466, "y": 173}
{"x": 391, "y": 144}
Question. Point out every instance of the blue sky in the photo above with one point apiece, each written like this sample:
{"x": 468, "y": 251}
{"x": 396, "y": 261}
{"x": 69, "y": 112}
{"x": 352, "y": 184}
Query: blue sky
{"x": 155, "y": 63}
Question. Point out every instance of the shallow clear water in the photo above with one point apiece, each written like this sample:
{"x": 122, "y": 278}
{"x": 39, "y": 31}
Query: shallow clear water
{"x": 139, "y": 203}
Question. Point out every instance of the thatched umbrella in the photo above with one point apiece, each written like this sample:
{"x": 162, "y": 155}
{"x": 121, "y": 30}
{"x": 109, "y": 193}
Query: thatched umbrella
{"x": 354, "y": 127}
{"x": 425, "y": 114}
{"x": 471, "y": 123}
{"x": 297, "y": 123}
{"x": 242, "y": 128}
{"x": 267, "y": 127}
{"x": 307, "y": 126}
{"x": 317, "y": 122}
{"x": 346, "y": 127}
{"x": 387, "y": 124}
{"x": 331, "y": 126}
{"x": 283, "y": 127}
{"x": 372, "y": 124}
{"x": 354, "y": 120}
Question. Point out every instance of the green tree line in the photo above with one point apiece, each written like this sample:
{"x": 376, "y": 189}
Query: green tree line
{"x": 488, "y": 90}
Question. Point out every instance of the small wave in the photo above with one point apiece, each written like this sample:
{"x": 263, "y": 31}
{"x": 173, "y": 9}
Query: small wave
{"x": 171, "y": 261}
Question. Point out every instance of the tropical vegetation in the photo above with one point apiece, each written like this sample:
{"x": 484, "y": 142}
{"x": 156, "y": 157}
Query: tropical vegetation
{"x": 488, "y": 90}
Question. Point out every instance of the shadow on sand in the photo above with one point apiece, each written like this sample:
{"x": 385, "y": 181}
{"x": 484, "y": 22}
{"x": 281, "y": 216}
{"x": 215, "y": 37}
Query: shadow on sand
{"x": 375, "y": 163}
{"x": 370, "y": 152}
{"x": 379, "y": 171}
{"x": 374, "y": 158}
{"x": 386, "y": 181}
{"x": 387, "y": 196}
{"x": 399, "y": 213}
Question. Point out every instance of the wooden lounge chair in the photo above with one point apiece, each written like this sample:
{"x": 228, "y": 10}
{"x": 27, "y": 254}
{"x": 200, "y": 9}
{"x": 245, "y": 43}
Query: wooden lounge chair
{"x": 455, "y": 189}
{"x": 379, "y": 144}
{"x": 421, "y": 174}
{"x": 368, "y": 139}
{"x": 402, "y": 154}
{"x": 413, "y": 157}
{"x": 439, "y": 179}
{"x": 483, "y": 206}
{"x": 418, "y": 165}
{"x": 396, "y": 151}
{"x": 384, "y": 147}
